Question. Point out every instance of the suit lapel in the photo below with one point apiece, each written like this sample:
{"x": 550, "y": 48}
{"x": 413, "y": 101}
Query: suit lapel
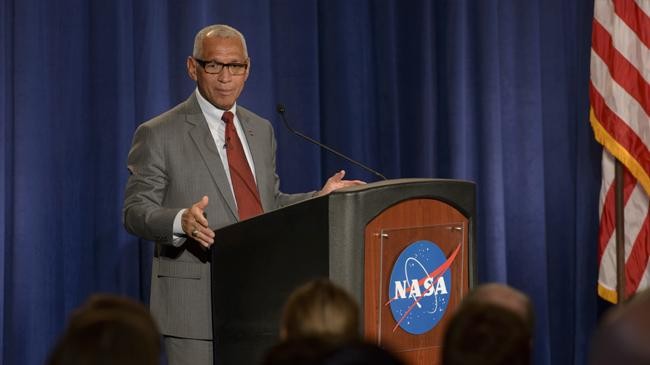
{"x": 200, "y": 134}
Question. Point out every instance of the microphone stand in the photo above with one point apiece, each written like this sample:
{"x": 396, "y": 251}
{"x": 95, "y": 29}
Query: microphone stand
{"x": 281, "y": 110}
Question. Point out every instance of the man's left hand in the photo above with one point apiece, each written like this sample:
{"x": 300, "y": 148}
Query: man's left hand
{"x": 336, "y": 182}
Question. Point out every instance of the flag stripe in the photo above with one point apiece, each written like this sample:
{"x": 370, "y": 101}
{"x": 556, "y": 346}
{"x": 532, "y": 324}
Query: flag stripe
{"x": 620, "y": 133}
{"x": 637, "y": 261}
{"x": 607, "y": 235}
{"x": 620, "y": 108}
{"x": 635, "y": 18}
{"x": 636, "y": 234}
{"x": 645, "y": 279}
{"x": 608, "y": 171}
{"x": 617, "y": 98}
{"x": 620, "y": 69}
{"x": 614, "y": 97}
{"x": 634, "y": 211}
{"x": 644, "y": 6}
{"x": 624, "y": 38}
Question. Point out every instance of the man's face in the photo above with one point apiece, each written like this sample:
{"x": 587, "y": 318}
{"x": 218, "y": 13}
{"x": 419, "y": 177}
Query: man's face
{"x": 222, "y": 89}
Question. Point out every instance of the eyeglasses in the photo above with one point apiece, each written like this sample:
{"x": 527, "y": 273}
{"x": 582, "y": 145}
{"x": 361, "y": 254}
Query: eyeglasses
{"x": 214, "y": 67}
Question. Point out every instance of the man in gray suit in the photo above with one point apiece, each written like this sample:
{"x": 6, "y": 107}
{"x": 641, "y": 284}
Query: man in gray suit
{"x": 180, "y": 188}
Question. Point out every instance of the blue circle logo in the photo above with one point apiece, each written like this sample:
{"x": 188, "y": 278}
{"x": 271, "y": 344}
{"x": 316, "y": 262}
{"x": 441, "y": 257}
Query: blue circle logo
{"x": 419, "y": 287}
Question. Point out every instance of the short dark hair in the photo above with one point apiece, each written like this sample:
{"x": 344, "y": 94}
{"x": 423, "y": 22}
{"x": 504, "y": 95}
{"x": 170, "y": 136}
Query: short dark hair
{"x": 321, "y": 309}
{"x": 317, "y": 351}
{"x": 298, "y": 351}
{"x": 622, "y": 336}
{"x": 507, "y": 297}
{"x": 360, "y": 353}
{"x": 488, "y": 334}
{"x": 108, "y": 330}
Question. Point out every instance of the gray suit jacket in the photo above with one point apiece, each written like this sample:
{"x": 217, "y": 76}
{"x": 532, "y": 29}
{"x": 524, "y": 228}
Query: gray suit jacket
{"x": 174, "y": 162}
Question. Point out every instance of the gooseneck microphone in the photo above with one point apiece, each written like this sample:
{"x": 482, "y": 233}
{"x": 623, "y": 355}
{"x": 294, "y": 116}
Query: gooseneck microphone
{"x": 280, "y": 109}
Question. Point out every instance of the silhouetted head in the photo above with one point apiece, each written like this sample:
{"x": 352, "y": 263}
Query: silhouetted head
{"x": 507, "y": 297}
{"x": 360, "y": 354}
{"x": 299, "y": 351}
{"x": 323, "y": 310}
{"x": 108, "y": 330}
{"x": 488, "y": 334}
{"x": 623, "y": 337}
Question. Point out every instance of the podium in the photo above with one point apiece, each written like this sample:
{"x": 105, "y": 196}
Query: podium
{"x": 403, "y": 248}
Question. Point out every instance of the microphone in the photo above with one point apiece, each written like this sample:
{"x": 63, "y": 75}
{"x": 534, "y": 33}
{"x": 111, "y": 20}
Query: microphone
{"x": 281, "y": 110}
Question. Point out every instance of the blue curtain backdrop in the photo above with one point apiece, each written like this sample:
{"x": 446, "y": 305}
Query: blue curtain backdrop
{"x": 489, "y": 91}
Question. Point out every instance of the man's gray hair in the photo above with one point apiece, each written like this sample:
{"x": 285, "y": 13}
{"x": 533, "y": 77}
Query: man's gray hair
{"x": 217, "y": 30}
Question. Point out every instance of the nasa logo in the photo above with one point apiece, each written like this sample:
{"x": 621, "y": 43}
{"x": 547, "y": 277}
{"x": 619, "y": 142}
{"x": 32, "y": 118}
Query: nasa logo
{"x": 419, "y": 287}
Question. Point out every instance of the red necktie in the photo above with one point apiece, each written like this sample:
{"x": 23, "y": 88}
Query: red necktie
{"x": 243, "y": 184}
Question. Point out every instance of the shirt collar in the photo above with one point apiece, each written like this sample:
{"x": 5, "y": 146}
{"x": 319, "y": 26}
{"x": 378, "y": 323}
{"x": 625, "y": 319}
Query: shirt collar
{"x": 210, "y": 111}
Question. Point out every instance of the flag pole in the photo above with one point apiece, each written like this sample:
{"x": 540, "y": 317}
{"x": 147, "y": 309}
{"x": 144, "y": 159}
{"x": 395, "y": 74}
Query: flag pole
{"x": 620, "y": 233}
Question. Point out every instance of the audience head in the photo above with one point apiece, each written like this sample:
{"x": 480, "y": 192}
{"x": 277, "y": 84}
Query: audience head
{"x": 322, "y": 310}
{"x": 488, "y": 334}
{"x": 506, "y": 297}
{"x": 623, "y": 337}
{"x": 494, "y": 324}
{"x": 360, "y": 354}
{"x": 108, "y": 330}
{"x": 315, "y": 351}
{"x": 298, "y": 351}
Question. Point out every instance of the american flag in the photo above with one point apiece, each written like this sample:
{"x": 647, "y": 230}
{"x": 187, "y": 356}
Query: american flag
{"x": 620, "y": 110}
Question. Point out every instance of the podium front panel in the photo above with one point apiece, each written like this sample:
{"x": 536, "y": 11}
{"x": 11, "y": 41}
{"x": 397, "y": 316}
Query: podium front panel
{"x": 394, "y": 240}
{"x": 419, "y": 280}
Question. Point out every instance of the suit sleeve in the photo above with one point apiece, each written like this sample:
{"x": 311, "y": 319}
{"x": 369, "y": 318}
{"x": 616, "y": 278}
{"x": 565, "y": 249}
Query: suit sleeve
{"x": 143, "y": 212}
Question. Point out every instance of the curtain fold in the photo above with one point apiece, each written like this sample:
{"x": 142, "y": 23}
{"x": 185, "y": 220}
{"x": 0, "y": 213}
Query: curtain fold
{"x": 489, "y": 91}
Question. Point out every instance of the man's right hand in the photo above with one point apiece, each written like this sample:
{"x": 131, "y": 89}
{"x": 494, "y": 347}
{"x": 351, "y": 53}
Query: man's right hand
{"x": 195, "y": 223}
